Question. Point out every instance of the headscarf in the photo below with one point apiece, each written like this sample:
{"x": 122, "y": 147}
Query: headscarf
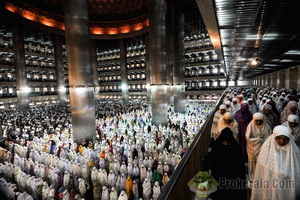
{"x": 280, "y": 163}
{"x": 295, "y": 131}
{"x": 271, "y": 119}
{"x": 256, "y": 136}
{"x": 227, "y": 163}
{"x": 243, "y": 118}
{"x": 287, "y": 111}
{"x": 233, "y": 125}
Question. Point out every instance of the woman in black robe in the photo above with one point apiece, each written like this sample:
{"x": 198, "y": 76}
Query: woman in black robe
{"x": 227, "y": 167}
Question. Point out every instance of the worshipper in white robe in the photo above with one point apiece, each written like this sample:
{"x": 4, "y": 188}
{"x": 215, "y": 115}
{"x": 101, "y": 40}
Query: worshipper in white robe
{"x": 82, "y": 187}
{"x": 293, "y": 124}
{"x": 235, "y": 105}
{"x": 113, "y": 194}
{"x": 279, "y": 103}
{"x": 278, "y": 162}
{"x": 290, "y": 108}
{"x": 256, "y": 134}
{"x": 228, "y": 106}
{"x": 217, "y": 116}
{"x": 105, "y": 193}
{"x": 252, "y": 107}
{"x": 227, "y": 120}
{"x": 156, "y": 191}
{"x": 94, "y": 175}
{"x": 262, "y": 103}
{"x": 146, "y": 189}
{"x": 123, "y": 196}
{"x": 111, "y": 179}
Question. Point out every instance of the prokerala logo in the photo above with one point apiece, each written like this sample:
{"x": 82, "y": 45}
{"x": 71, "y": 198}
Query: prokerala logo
{"x": 203, "y": 184}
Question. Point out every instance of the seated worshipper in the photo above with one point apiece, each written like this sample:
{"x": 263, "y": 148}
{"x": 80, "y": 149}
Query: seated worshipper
{"x": 256, "y": 134}
{"x": 252, "y": 107}
{"x": 277, "y": 162}
{"x": 243, "y": 118}
{"x": 270, "y": 117}
{"x": 293, "y": 124}
{"x": 262, "y": 103}
{"x": 227, "y": 120}
{"x": 217, "y": 116}
{"x": 291, "y": 108}
{"x": 226, "y": 164}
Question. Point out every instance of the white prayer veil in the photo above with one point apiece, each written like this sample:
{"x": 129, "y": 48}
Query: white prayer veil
{"x": 277, "y": 166}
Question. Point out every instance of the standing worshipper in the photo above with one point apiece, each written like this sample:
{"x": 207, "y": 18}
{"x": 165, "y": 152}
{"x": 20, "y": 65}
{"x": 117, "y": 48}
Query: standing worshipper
{"x": 227, "y": 120}
{"x": 270, "y": 117}
{"x": 226, "y": 164}
{"x": 235, "y": 106}
{"x": 217, "y": 116}
{"x": 278, "y": 161}
{"x": 291, "y": 108}
{"x": 256, "y": 134}
{"x": 243, "y": 118}
{"x": 252, "y": 107}
{"x": 293, "y": 124}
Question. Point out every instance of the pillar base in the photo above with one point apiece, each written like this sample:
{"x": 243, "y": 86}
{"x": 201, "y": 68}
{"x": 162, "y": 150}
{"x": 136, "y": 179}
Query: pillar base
{"x": 83, "y": 113}
{"x": 159, "y": 106}
{"x": 179, "y": 98}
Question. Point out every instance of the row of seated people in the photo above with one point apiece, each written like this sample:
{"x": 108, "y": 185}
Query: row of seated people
{"x": 258, "y": 128}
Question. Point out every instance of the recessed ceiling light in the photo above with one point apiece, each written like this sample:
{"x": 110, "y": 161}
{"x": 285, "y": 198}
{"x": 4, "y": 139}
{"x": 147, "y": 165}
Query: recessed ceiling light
{"x": 292, "y": 52}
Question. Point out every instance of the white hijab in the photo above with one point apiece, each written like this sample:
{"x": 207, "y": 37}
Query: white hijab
{"x": 280, "y": 164}
{"x": 256, "y": 136}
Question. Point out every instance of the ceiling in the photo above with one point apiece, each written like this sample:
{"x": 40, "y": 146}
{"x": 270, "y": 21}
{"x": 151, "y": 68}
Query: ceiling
{"x": 99, "y": 10}
{"x": 266, "y": 29}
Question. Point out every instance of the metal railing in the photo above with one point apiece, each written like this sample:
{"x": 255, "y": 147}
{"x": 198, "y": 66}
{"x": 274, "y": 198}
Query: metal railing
{"x": 191, "y": 163}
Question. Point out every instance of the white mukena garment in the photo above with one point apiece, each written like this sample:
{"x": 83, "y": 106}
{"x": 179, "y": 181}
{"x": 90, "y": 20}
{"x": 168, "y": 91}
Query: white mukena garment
{"x": 277, "y": 165}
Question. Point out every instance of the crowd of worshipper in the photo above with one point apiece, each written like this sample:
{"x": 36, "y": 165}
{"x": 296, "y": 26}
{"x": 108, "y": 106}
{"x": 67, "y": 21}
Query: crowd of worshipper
{"x": 255, "y": 144}
{"x": 129, "y": 158}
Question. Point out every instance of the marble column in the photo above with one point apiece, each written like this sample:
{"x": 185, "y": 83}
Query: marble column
{"x": 20, "y": 67}
{"x": 59, "y": 65}
{"x": 179, "y": 88}
{"x": 170, "y": 53}
{"x": 94, "y": 65}
{"x": 282, "y": 79}
{"x": 157, "y": 50}
{"x": 124, "y": 78}
{"x": 293, "y": 78}
{"x": 298, "y": 78}
{"x": 148, "y": 68}
{"x": 80, "y": 71}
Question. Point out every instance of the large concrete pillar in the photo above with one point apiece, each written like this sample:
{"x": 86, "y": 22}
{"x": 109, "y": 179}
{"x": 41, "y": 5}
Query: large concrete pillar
{"x": 287, "y": 79}
{"x": 20, "y": 67}
{"x": 170, "y": 53}
{"x": 79, "y": 69}
{"x": 59, "y": 64}
{"x": 293, "y": 78}
{"x": 148, "y": 68}
{"x": 94, "y": 65}
{"x": 268, "y": 77}
{"x": 282, "y": 79}
{"x": 277, "y": 79}
{"x": 124, "y": 78}
{"x": 179, "y": 88}
{"x": 298, "y": 78}
{"x": 157, "y": 39}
